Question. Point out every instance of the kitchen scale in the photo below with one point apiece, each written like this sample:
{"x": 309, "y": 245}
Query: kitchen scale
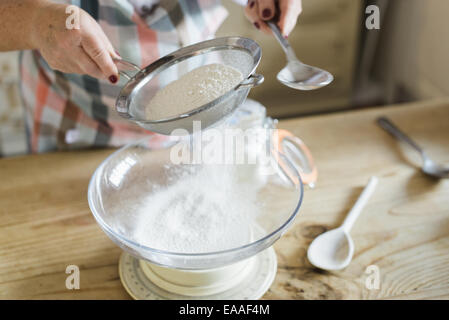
{"x": 121, "y": 184}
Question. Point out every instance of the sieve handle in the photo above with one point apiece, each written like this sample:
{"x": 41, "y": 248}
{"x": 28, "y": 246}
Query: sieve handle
{"x": 252, "y": 81}
{"x": 124, "y": 66}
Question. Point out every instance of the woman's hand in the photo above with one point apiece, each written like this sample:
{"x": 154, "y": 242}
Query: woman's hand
{"x": 86, "y": 50}
{"x": 259, "y": 11}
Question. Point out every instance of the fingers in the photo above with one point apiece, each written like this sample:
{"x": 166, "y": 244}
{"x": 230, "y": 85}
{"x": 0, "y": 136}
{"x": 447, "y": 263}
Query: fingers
{"x": 97, "y": 51}
{"x": 87, "y": 66}
{"x": 114, "y": 54}
{"x": 290, "y": 10}
{"x": 252, "y": 13}
{"x": 267, "y": 9}
{"x": 65, "y": 66}
{"x": 81, "y": 63}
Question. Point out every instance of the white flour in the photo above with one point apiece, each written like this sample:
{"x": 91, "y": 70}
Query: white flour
{"x": 194, "y": 89}
{"x": 210, "y": 210}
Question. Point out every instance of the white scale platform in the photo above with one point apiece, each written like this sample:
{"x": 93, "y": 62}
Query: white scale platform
{"x": 259, "y": 275}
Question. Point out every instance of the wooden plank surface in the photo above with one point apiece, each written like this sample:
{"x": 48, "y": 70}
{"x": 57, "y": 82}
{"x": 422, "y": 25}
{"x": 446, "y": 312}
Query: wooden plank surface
{"x": 46, "y": 225}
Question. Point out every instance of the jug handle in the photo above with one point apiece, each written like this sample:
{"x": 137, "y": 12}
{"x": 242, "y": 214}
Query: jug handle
{"x": 308, "y": 177}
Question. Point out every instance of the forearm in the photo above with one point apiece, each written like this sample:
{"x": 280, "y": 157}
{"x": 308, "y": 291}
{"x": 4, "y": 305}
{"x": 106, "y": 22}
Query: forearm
{"x": 42, "y": 25}
{"x": 17, "y": 21}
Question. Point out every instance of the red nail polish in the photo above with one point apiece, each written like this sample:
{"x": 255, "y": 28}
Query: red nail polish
{"x": 113, "y": 79}
{"x": 117, "y": 53}
{"x": 251, "y": 4}
{"x": 257, "y": 25}
{"x": 266, "y": 13}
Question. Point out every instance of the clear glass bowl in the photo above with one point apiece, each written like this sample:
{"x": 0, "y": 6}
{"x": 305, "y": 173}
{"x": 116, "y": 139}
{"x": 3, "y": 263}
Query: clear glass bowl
{"x": 122, "y": 182}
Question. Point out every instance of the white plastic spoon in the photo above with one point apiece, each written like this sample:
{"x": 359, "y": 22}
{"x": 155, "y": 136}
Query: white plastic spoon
{"x": 333, "y": 250}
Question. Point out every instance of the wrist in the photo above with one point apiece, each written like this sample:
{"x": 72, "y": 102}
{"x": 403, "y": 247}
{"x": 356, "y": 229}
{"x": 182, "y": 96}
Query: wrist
{"x": 35, "y": 8}
{"x": 47, "y": 16}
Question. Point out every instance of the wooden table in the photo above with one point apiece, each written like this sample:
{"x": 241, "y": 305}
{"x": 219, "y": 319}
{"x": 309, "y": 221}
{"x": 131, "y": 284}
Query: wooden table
{"x": 46, "y": 224}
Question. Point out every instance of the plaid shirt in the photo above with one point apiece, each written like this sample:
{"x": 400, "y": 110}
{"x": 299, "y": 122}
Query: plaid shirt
{"x": 69, "y": 111}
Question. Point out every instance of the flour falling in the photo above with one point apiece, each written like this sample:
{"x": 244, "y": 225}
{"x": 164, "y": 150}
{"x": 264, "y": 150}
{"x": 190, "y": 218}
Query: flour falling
{"x": 194, "y": 89}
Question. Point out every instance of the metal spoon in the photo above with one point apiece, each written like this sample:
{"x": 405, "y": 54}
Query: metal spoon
{"x": 333, "y": 250}
{"x": 296, "y": 74}
{"x": 429, "y": 167}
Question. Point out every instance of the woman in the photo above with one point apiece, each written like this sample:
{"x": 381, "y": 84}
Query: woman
{"x": 68, "y": 78}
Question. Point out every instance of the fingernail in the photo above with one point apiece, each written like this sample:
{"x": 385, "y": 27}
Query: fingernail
{"x": 266, "y": 13}
{"x": 113, "y": 79}
{"x": 116, "y": 52}
{"x": 251, "y": 4}
{"x": 286, "y": 37}
{"x": 256, "y": 24}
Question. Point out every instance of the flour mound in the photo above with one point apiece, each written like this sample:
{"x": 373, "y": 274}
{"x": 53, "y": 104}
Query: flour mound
{"x": 194, "y": 89}
{"x": 208, "y": 211}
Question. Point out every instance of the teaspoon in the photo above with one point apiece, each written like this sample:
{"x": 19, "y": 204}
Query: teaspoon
{"x": 296, "y": 74}
{"x": 429, "y": 167}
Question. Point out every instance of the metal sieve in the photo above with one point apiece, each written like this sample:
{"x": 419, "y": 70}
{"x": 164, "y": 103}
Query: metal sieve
{"x": 240, "y": 53}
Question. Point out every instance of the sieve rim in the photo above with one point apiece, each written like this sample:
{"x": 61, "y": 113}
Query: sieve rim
{"x": 142, "y": 77}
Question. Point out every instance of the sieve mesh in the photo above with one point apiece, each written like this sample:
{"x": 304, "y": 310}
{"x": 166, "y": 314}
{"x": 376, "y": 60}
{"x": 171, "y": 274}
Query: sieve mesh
{"x": 240, "y": 53}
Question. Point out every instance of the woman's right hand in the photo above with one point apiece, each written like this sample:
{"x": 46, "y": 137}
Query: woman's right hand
{"x": 261, "y": 11}
{"x": 86, "y": 50}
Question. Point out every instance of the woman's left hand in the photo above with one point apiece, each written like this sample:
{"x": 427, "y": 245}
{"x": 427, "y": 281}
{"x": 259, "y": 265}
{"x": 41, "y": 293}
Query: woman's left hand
{"x": 259, "y": 11}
